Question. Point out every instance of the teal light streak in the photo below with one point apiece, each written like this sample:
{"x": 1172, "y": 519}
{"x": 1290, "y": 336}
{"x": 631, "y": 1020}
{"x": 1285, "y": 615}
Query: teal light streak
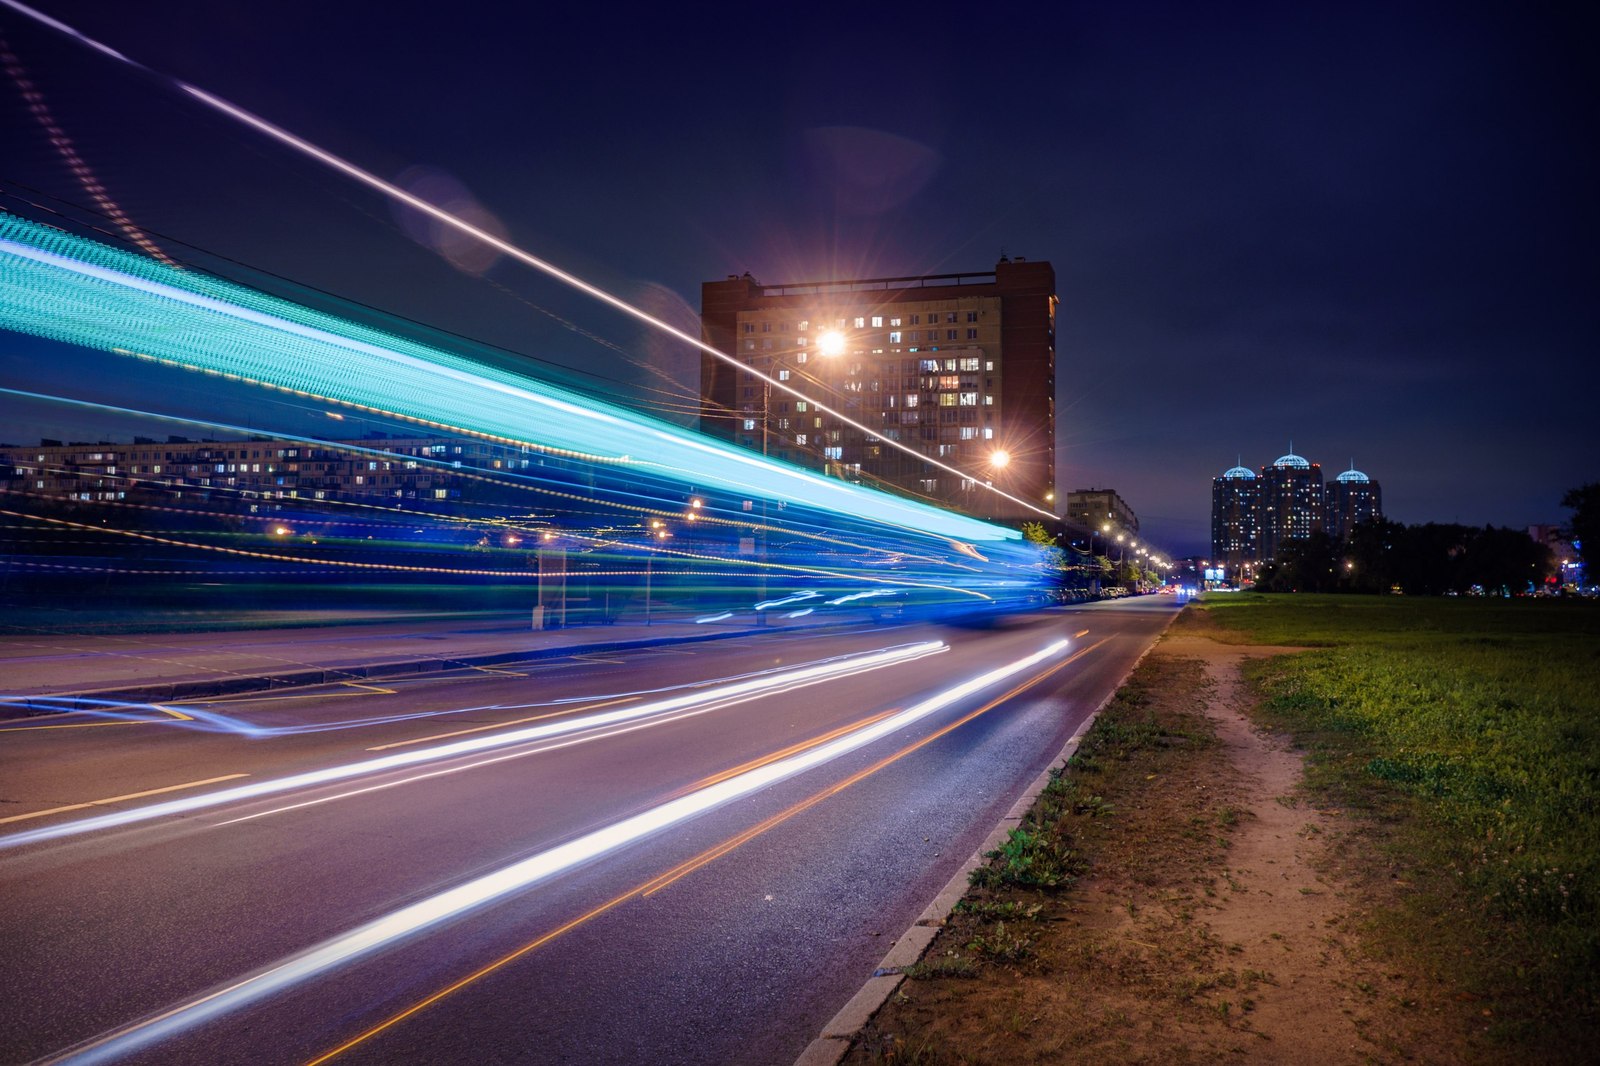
{"x": 66, "y": 288}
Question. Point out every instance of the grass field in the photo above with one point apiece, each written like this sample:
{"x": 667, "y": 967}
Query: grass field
{"x": 1467, "y": 733}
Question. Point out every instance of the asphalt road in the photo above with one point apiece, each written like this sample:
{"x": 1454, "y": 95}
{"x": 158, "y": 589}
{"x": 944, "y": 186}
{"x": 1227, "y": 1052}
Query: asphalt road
{"x": 518, "y": 903}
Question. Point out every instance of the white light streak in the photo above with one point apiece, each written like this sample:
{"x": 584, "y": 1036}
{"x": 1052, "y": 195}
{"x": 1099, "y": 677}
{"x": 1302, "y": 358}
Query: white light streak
{"x": 501, "y": 245}
{"x": 825, "y": 670}
{"x": 416, "y": 918}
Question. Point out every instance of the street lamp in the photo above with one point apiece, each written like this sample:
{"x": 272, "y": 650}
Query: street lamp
{"x": 830, "y": 343}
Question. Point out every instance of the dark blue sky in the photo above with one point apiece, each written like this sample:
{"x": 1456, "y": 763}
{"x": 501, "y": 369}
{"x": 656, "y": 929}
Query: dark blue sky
{"x": 1368, "y": 229}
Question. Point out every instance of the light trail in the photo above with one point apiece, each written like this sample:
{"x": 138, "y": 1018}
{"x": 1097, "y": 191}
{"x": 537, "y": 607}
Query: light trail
{"x": 73, "y": 290}
{"x": 500, "y": 244}
{"x": 689, "y": 866}
{"x": 119, "y": 799}
{"x": 843, "y": 666}
{"x": 445, "y": 906}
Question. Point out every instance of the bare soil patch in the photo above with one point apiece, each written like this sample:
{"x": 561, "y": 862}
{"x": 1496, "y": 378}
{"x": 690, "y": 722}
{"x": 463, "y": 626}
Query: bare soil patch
{"x": 1220, "y": 915}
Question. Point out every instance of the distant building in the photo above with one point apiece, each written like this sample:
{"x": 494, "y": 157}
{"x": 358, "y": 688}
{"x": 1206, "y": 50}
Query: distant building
{"x": 957, "y": 367}
{"x": 1094, "y": 508}
{"x": 263, "y": 473}
{"x": 1351, "y": 498}
{"x": 1235, "y": 520}
{"x": 1291, "y": 502}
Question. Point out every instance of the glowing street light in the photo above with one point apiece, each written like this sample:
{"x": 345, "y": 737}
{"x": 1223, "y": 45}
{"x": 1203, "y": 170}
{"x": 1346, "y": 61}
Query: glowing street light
{"x": 1000, "y": 459}
{"x": 830, "y": 343}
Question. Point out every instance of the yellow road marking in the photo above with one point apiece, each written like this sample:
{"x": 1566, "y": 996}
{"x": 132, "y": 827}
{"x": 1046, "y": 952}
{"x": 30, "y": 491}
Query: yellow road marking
{"x": 595, "y": 659}
{"x": 374, "y": 690}
{"x": 655, "y": 884}
{"x": 793, "y": 749}
{"x": 119, "y": 799}
{"x": 492, "y": 670}
{"x": 503, "y": 725}
{"x": 179, "y": 715}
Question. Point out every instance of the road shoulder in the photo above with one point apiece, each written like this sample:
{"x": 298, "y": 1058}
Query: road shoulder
{"x": 1205, "y": 909}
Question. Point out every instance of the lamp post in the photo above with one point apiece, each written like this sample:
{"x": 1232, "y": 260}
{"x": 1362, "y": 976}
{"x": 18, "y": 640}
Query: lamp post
{"x": 657, "y": 532}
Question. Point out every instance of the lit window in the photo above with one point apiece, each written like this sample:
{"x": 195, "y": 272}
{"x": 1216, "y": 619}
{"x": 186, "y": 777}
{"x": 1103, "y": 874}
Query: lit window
{"x": 783, "y": 375}
{"x": 877, "y": 321}
{"x": 801, "y": 406}
{"x": 804, "y": 325}
{"x": 894, "y": 336}
{"x": 895, "y": 321}
{"x": 800, "y": 438}
{"x": 969, "y": 399}
{"x": 861, "y": 322}
{"x": 749, "y": 423}
{"x": 947, "y": 399}
{"x": 988, "y": 399}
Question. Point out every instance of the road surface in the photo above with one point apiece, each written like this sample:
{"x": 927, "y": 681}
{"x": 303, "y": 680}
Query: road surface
{"x": 686, "y": 854}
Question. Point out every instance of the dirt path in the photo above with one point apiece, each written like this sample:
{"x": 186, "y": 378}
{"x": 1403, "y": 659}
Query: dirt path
{"x": 1278, "y": 915}
{"x": 1220, "y": 919}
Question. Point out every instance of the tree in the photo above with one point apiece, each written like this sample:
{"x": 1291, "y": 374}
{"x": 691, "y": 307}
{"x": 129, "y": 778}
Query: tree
{"x": 1311, "y": 564}
{"x": 1503, "y": 560}
{"x": 1584, "y": 528}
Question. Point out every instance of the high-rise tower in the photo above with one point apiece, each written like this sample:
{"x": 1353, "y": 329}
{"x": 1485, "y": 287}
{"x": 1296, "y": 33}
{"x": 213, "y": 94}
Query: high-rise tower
{"x": 1352, "y": 498}
{"x": 1235, "y": 519}
{"x": 1291, "y": 502}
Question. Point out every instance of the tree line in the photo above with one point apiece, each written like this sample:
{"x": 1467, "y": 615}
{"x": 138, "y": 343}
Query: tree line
{"x": 1432, "y": 559}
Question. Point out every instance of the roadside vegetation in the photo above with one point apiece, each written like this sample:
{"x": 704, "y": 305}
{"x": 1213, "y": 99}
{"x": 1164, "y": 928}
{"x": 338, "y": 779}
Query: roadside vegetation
{"x": 1467, "y": 735}
{"x": 1426, "y": 893}
{"x": 1003, "y": 982}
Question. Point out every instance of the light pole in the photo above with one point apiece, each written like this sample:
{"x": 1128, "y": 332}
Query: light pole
{"x": 657, "y": 532}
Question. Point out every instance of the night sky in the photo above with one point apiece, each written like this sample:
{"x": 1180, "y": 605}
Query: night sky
{"x": 1368, "y": 230}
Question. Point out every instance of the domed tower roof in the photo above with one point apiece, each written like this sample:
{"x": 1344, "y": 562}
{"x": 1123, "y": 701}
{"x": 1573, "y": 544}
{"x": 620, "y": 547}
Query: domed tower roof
{"x": 1353, "y": 475}
{"x": 1239, "y": 473}
{"x": 1291, "y": 460}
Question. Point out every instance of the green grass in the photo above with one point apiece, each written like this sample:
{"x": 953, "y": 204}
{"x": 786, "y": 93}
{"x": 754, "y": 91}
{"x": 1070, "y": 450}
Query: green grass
{"x": 1467, "y": 733}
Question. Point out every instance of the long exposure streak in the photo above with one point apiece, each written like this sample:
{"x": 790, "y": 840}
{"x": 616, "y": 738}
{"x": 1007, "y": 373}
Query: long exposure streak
{"x": 788, "y": 679}
{"x": 436, "y": 909}
{"x": 499, "y": 244}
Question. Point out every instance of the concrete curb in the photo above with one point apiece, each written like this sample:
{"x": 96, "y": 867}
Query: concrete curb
{"x": 167, "y": 691}
{"x": 830, "y": 1047}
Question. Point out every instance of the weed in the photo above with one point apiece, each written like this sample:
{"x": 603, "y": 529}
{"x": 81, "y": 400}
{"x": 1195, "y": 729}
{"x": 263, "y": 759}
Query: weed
{"x": 1007, "y": 911}
{"x": 1002, "y": 944}
{"x": 1033, "y": 858}
{"x": 941, "y": 966}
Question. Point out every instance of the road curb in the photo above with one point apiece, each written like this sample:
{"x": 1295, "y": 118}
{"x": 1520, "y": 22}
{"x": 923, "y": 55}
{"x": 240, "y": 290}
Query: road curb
{"x": 836, "y": 1038}
{"x": 168, "y": 691}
